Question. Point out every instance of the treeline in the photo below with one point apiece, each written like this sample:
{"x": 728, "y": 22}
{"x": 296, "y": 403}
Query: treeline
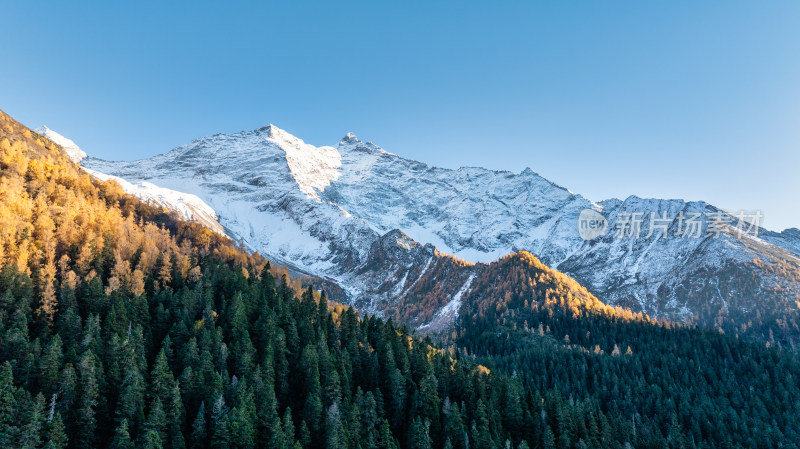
{"x": 666, "y": 385}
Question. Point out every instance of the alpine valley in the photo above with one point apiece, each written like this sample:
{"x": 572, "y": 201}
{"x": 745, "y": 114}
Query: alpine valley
{"x": 404, "y": 239}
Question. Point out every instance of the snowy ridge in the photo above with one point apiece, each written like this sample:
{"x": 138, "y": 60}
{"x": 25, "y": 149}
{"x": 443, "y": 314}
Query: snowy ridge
{"x": 73, "y": 151}
{"x": 189, "y": 206}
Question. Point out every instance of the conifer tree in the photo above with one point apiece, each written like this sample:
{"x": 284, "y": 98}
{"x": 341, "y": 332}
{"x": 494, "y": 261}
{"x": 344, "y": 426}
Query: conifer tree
{"x": 50, "y": 365}
{"x": 33, "y": 417}
{"x": 156, "y": 420}
{"x": 198, "y": 438}
{"x": 288, "y": 427}
{"x": 55, "y": 435}
{"x": 454, "y": 425}
{"x": 152, "y": 440}
{"x": 87, "y": 402}
{"x": 122, "y": 437}
{"x": 334, "y": 430}
{"x": 419, "y": 434}
{"x": 8, "y": 406}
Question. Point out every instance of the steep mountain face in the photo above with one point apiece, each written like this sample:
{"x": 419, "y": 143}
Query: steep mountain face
{"x": 377, "y": 224}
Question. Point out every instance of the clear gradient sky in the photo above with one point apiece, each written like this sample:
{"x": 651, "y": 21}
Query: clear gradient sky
{"x": 679, "y": 99}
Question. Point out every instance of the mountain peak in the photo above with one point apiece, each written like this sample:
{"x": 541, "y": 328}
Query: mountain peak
{"x": 274, "y": 132}
{"x": 350, "y": 138}
{"x": 312, "y": 167}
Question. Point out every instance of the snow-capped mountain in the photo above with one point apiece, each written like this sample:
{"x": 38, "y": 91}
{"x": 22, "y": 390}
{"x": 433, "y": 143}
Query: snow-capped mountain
{"x": 390, "y": 230}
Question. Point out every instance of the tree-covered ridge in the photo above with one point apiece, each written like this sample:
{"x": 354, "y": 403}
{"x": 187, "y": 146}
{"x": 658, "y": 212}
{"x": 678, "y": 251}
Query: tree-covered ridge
{"x": 519, "y": 282}
{"x": 657, "y": 378}
{"x": 56, "y": 220}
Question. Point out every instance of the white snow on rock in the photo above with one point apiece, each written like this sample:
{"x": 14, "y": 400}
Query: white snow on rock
{"x": 313, "y": 168}
{"x": 73, "y": 151}
{"x": 447, "y": 314}
{"x": 189, "y": 206}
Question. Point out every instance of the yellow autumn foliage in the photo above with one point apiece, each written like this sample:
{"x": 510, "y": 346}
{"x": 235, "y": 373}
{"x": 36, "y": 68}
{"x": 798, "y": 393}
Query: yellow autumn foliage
{"x": 57, "y": 222}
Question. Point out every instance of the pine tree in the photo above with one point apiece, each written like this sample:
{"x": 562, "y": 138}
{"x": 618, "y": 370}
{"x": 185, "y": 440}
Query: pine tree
{"x": 397, "y": 395}
{"x": 288, "y": 427}
{"x": 175, "y": 419}
{"x": 512, "y": 407}
{"x": 130, "y": 406}
{"x": 548, "y": 439}
{"x": 156, "y": 420}
{"x": 304, "y": 435}
{"x": 55, "y": 435}
{"x": 220, "y": 437}
{"x": 335, "y": 435}
{"x": 675, "y": 438}
{"x": 242, "y": 419}
{"x": 370, "y": 423}
{"x": 387, "y": 440}
{"x": 87, "y": 401}
{"x": 454, "y": 425}
{"x": 481, "y": 433}
{"x": 33, "y": 418}
{"x": 419, "y": 434}
{"x": 312, "y": 410}
{"x": 122, "y": 437}
{"x": 431, "y": 404}
{"x": 50, "y": 365}
{"x": 8, "y": 406}
{"x": 161, "y": 378}
{"x": 198, "y": 438}
{"x": 152, "y": 440}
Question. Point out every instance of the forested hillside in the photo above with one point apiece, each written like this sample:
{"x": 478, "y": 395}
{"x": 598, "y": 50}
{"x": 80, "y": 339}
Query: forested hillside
{"x": 666, "y": 385}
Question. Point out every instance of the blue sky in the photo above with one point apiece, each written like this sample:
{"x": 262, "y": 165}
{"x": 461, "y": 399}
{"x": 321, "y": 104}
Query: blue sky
{"x": 693, "y": 100}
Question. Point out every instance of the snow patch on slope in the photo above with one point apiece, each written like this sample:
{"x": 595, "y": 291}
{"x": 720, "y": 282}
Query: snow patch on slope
{"x": 190, "y": 206}
{"x": 448, "y": 314}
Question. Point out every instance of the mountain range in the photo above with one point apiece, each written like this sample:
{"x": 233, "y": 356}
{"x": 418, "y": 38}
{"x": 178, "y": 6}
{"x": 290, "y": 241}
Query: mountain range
{"x": 402, "y": 238}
